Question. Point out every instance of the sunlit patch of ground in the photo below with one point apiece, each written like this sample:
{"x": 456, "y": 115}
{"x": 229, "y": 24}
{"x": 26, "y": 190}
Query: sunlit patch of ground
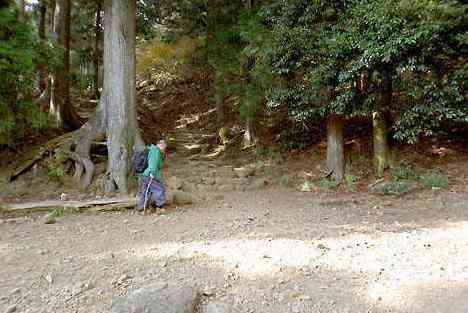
{"x": 395, "y": 265}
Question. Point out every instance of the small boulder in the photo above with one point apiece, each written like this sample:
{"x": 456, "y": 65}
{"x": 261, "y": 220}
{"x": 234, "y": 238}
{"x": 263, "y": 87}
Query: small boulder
{"x": 11, "y": 309}
{"x": 178, "y": 197}
{"x": 243, "y": 172}
{"x": 216, "y": 307}
{"x": 175, "y": 183}
{"x": 49, "y": 218}
{"x": 258, "y": 184}
{"x": 158, "y": 299}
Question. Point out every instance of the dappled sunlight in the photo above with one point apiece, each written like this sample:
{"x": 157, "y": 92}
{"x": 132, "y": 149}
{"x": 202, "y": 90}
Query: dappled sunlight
{"x": 248, "y": 257}
{"x": 391, "y": 273}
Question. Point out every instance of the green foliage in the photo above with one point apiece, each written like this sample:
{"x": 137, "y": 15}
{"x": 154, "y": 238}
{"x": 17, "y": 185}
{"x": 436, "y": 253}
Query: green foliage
{"x": 161, "y": 61}
{"x": 328, "y": 184}
{"x": 392, "y": 188}
{"x": 434, "y": 180}
{"x": 350, "y": 182}
{"x": 285, "y": 180}
{"x": 20, "y": 52}
{"x": 403, "y": 171}
{"x": 60, "y": 211}
{"x": 296, "y": 137}
{"x": 269, "y": 152}
{"x": 56, "y": 170}
{"x": 320, "y": 52}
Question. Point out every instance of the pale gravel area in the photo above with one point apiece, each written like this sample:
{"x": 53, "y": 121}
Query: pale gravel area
{"x": 268, "y": 251}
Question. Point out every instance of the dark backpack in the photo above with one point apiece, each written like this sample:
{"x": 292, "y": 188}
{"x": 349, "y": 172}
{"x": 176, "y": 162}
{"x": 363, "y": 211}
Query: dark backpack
{"x": 140, "y": 161}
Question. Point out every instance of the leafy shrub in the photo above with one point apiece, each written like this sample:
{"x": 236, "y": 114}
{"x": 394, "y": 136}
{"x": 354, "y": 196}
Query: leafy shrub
{"x": 392, "y": 188}
{"x": 434, "y": 180}
{"x": 162, "y": 61}
{"x": 56, "y": 170}
{"x": 285, "y": 180}
{"x": 268, "y": 152}
{"x": 306, "y": 187}
{"x": 403, "y": 171}
{"x": 20, "y": 52}
{"x": 328, "y": 184}
{"x": 350, "y": 182}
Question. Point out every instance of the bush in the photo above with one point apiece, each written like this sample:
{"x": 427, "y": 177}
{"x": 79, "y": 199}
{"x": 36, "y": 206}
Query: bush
{"x": 162, "y": 61}
{"x": 56, "y": 170}
{"x": 328, "y": 184}
{"x": 392, "y": 188}
{"x": 20, "y": 52}
{"x": 350, "y": 182}
{"x": 434, "y": 180}
{"x": 403, "y": 171}
{"x": 285, "y": 180}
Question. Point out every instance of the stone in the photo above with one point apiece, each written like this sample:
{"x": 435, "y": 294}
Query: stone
{"x": 157, "y": 299}
{"x": 226, "y": 188}
{"x": 258, "y": 183}
{"x": 175, "y": 183}
{"x": 216, "y": 307}
{"x": 179, "y": 197}
{"x": 243, "y": 172}
{"x": 189, "y": 187}
{"x": 49, "y": 218}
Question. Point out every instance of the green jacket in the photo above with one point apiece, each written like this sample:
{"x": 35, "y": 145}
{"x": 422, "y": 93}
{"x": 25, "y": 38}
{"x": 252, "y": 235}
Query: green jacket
{"x": 155, "y": 163}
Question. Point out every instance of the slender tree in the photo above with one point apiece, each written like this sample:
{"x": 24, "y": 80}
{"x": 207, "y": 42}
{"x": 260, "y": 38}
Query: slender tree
{"x": 60, "y": 103}
{"x": 42, "y": 35}
{"x": 97, "y": 49}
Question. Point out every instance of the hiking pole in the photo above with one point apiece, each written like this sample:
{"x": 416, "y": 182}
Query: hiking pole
{"x": 146, "y": 194}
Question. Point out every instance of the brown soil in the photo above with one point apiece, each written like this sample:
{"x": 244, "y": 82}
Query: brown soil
{"x": 256, "y": 248}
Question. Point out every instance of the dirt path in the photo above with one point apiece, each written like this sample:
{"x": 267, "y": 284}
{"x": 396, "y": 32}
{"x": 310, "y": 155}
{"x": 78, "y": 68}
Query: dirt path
{"x": 256, "y": 248}
{"x": 266, "y": 251}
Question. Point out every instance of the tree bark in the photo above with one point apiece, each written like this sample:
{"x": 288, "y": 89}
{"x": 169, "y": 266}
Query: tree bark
{"x": 335, "y": 148}
{"x": 119, "y": 91}
{"x": 22, "y": 9}
{"x": 41, "y": 32}
{"x": 60, "y": 103}
{"x": 379, "y": 122}
{"x": 97, "y": 49}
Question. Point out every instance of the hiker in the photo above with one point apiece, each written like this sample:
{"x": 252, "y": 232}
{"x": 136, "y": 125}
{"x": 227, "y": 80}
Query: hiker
{"x": 151, "y": 182}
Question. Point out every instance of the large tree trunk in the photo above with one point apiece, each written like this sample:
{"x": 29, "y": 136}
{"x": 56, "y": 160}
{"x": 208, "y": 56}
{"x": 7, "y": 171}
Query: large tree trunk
{"x": 335, "y": 148}
{"x": 119, "y": 90}
{"x": 97, "y": 49}
{"x": 379, "y": 122}
{"x": 60, "y": 103}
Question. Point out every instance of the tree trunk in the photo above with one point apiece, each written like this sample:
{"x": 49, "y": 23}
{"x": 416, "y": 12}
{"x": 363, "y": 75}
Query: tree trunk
{"x": 60, "y": 103}
{"x": 335, "y": 148}
{"x": 219, "y": 99}
{"x": 97, "y": 49}
{"x": 116, "y": 112}
{"x": 22, "y": 9}
{"x": 119, "y": 91}
{"x": 41, "y": 31}
{"x": 379, "y": 122}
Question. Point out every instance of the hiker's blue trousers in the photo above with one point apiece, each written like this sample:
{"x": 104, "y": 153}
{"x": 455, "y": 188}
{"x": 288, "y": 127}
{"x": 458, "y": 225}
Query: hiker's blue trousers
{"x": 150, "y": 188}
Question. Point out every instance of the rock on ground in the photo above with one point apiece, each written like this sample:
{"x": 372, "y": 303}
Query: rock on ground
{"x": 216, "y": 307}
{"x": 158, "y": 299}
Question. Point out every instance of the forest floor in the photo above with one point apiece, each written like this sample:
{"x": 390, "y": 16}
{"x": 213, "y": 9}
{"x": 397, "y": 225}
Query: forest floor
{"x": 253, "y": 242}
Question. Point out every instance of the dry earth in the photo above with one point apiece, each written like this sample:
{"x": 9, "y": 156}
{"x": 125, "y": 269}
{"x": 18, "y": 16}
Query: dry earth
{"x": 271, "y": 250}
{"x": 255, "y": 248}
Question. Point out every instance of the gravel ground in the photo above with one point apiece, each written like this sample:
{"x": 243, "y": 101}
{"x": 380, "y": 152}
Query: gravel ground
{"x": 267, "y": 251}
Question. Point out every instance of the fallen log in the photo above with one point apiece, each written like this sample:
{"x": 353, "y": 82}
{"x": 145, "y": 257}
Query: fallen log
{"x": 47, "y": 148}
{"x": 175, "y": 197}
{"x": 49, "y": 204}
